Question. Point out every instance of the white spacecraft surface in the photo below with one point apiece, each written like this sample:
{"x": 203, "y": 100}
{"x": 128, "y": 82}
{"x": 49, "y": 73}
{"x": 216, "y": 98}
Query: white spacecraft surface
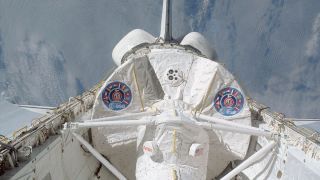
{"x": 169, "y": 110}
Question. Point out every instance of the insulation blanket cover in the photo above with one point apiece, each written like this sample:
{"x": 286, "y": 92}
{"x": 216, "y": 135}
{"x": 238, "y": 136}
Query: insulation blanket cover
{"x": 196, "y": 84}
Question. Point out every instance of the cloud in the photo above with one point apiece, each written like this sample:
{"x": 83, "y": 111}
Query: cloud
{"x": 312, "y": 46}
{"x": 297, "y": 92}
{"x": 36, "y": 74}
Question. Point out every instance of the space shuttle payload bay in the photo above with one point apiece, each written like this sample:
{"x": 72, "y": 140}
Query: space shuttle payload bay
{"x": 169, "y": 111}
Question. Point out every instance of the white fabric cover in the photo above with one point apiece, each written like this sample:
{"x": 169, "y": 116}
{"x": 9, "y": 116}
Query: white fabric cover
{"x": 198, "y": 73}
{"x": 193, "y": 86}
{"x": 119, "y": 143}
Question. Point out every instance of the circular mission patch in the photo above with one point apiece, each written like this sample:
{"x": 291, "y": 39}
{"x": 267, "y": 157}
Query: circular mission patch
{"x": 228, "y": 101}
{"x": 116, "y": 96}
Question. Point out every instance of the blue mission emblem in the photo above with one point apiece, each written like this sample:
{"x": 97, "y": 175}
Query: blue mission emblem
{"x": 116, "y": 96}
{"x": 228, "y": 101}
